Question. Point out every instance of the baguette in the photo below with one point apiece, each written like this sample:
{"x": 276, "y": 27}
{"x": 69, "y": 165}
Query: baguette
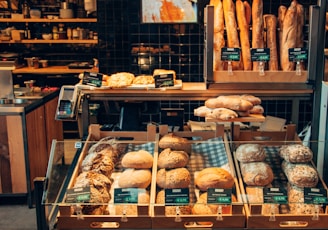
{"x": 289, "y": 29}
{"x": 248, "y": 12}
{"x": 244, "y": 35}
{"x": 231, "y": 29}
{"x": 271, "y": 40}
{"x": 281, "y": 15}
{"x": 230, "y": 102}
{"x": 257, "y": 28}
{"x": 299, "y": 31}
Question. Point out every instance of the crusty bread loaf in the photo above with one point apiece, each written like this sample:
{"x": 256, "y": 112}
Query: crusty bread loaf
{"x": 299, "y": 31}
{"x": 301, "y": 174}
{"x": 222, "y": 114}
{"x": 172, "y": 159}
{"x": 172, "y": 210}
{"x": 120, "y": 80}
{"x": 270, "y": 22}
{"x": 143, "y": 80}
{"x": 135, "y": 178}
{"x": 99, "y": 162}
{"x": 202, "y": 111}
{"x": 174, "y": 142}
{"x": 248, "y": 12}
{"x": 213, "y": 177}
{"x": 289, "y": 31}
{"x": 296, "y": 153}
{"x": 251, "y": 98}
{"x": 231, "y": 29}
{"x": 256, "y": 173}
{"x": 250, "y": 153}
{"x": 257, "y": 109}
{"x": 173, "y": 178}
{"x": 232, "y": 102}
{"x": 257, "y": 28}
{"x": 137, "y": 159}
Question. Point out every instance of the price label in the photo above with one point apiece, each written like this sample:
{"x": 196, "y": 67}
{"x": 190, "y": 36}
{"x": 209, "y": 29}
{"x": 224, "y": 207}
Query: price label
{"x": 260, "y": 54}
{"x": 219, "y": 196}
{"x": 126, "y": 195}
{"x": 92, "y": 79}
{"x": 177, "y": 196}
{"x": 78, "y": 195}
{"x": 230, "y": 54}
{"x": 275, "y": 195}
{"x": 297, "y": 54}
{"x": 164, "y": 80}
{"x": 315, "y": 196}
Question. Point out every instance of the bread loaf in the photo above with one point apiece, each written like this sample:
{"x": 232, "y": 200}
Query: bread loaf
{"x": 120, "y": 80}
{"x": 257, "y": 109}
{"x": 299, "y": 31}
{"x": 296, "y": 153}
{"x": 174, "y": 142}
{"x": 289, "y": 32}
{"x": 244, "y": 35}
{"x": 251, "y": 98}
{"x": 173, "y": 178}
{"x": 257, "y": 28}
{"x": 231, "y": 29}
{"x": 202, "y": 111}
{"x": 172, "y": 159}
{"x": 137, "y": 159}
{"x": 256, "y": 173}
{"x": 99, "y": 162}
{"x": 213, "y": 177}
{"x": 248, "y": 12}
{"x": 271, "y": 40}
{"x": 222, "y": 114}
{"x": 250, "y": 153}
{"x": 230, "y": 102}
{"x": 301, "y": 174}
{"x": 134, "y": 178}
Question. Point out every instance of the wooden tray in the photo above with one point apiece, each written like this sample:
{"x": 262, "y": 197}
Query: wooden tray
{"x": 66, "y": 220}
{"x": 254, "y": 214}
{"x": 236, "y": 219}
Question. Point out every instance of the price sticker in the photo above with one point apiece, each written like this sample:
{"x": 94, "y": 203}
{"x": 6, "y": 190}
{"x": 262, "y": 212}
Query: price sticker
{"x": 219, "y": 196}
{"x": 126, "y": 195}
{"x": 315, "y": 196}
{"x": 78, "y": 195}
{"x": 176, "y": 197}
{"x": 92, "y": 79}
{"x": 230, "y": 54}
{"x": 164, "y": 80}
{"x": 260, "y": 54}
{"x": 297, "y": 54}
{"x": 275, "y": 195}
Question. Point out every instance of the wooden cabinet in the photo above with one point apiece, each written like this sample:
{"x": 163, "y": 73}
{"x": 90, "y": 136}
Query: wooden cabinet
{"x": 25, "y": 143}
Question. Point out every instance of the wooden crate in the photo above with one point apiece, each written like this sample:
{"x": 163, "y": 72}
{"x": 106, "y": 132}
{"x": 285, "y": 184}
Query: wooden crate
{"x": 142, "y": 220}
{"x": 254, "y": 211}
{"x": 236, "y": 219}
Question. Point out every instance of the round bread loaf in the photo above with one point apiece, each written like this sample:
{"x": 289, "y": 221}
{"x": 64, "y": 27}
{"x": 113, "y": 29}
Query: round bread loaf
{"x": 137, "y": 159}
{"x": 172, "y": 159}
{"x": 172, "y": 210}
{"x": 173, "y": 178}
{"x": 250, "y": 153}
{"x": 214, "y": 177}
{"x": 256, "y": 173}
{"x": 300, "y": 174}
{"x": 296, "y": 153}
{"x": 174, "y": 142}
{"x": 134, "y": 178}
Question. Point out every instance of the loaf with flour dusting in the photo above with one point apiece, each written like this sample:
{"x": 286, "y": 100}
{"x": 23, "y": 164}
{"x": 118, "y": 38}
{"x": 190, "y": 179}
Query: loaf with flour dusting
{"x": 256, "y": 173}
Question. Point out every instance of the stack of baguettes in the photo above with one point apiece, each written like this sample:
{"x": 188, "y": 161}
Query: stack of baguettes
{"x": 241, "y": 25}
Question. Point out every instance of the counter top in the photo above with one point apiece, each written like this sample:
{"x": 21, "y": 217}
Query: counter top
{"x": 51, "y": 70}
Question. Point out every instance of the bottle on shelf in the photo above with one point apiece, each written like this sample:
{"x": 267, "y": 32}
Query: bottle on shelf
{"x": 27, "y": 32}
{"x": 26, "y": 9}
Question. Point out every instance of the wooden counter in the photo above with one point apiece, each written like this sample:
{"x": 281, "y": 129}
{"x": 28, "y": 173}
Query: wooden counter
{"x": 51, "y": 70}
{"x": 198, "y": 92}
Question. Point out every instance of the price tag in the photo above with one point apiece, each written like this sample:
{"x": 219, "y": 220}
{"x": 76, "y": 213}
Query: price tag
{"x": 164, "y": 80}
{"x": 92, "y": 79}
{"x": 230, "y": 54}
{"x": 275, "y": 195}
{"x": 297, "y": 54}
{"x": 219, "y": 196}
{"x": 177, "y": 196}
{"x": 260, "y": 54}
{"x": 315, "y": 196}
{"x": 78, "y": 195}
{"x": 126, "y": 195}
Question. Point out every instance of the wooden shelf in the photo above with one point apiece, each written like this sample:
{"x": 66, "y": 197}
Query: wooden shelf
{"x": 51, "y": 70}
{"x": 72, "y": 20}
{"x": 52, "y": 41}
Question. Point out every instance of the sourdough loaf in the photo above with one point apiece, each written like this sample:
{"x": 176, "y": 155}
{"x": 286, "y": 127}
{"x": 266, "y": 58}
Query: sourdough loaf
{"x": 250, "y": 153}
{"x": 213, "y": 177}
{"x": 137, "y": 159}
{"x": 256, "y": 173}
{"x": 174, "y": 142}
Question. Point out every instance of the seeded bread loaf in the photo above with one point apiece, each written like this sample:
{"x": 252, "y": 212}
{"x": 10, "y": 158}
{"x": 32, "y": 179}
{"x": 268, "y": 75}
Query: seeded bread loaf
{"x": 300, "y": 174}
{"x": 296, "y": 153}
{"x": 172, "y": 159}
{"x": 173, "y": 178}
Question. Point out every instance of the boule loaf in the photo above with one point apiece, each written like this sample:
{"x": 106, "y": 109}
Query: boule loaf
{"x": 256, "y": 173}
{"x": 213, "y": 177}
{"x": 134, "y": 178}
{"x": 172, "y": 159}
{"x": 174, "y": 142}
{"x": 300, "y": 174}
{"x": 250, "y": 153}
{"x": 173, "y": 178}
{"x": 296, "y": 153}
{"x": 140, "y": 159}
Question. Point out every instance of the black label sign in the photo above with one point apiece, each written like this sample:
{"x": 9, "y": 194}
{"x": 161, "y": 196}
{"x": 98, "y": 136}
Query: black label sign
{"x": 260, "y": 54}
{"x": 275, "y": 195}
{"x": 177, "y": 196}
{"x": 92, "y": 79}
{"x": 78, "y": 195}
{"x": 126, "y": 195}
{"x": 164, "y": 80}
{"x": 315, "y": 196}
{"x": 219, "y": 196}
{"x": 297, "y": 54}
{"x": 230, "y": 54}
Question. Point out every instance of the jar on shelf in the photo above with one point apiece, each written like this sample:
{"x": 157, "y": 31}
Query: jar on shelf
{"x": 55, "y": 35}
